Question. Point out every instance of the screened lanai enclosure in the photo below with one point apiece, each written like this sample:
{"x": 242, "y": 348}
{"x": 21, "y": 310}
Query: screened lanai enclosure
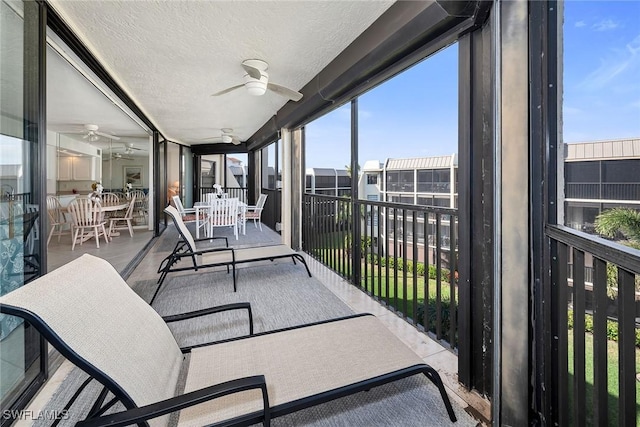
{"x": 458, "y": 225}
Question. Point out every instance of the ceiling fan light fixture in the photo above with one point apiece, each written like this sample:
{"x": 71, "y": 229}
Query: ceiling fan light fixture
{"x": 226, "y": 139}
{"x": 256, "y": 87}
{"x": 93, "y": 138}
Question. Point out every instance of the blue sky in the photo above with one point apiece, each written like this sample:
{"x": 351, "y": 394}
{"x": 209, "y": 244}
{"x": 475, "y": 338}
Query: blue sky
{"x": 415, "y": 113}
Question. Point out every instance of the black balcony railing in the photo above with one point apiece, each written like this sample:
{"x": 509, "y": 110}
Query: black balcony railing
{"x": 380, "y": 248}
{"x": 593, "y": 325}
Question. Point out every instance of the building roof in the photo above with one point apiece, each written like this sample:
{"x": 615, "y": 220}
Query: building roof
{"x": 236, "y": 170}
{"x": 439, "y": 162}
{"x": 372, "y": 165}
{"x": 598, "y": 150}
{"x": 325, "y": 171}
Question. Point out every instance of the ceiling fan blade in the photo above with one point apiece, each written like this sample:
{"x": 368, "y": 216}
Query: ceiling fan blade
{"x": 253, "y": 72}
{"x": 106, "y": 135}
{"x": 285, "y": 91}
{"x": 227, "y": 90}
{"x": 236, "y": 141}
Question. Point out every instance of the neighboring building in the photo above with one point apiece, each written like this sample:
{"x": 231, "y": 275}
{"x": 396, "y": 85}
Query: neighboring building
{"x": 330, "y": 182}
{"x": 238, "y": 171}
{"x": 423, "y": 181}
{"x": 598, "y": 176}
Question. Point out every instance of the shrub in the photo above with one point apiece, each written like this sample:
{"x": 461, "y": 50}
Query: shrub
{"x": 445, "y": 314}
{"x": 612, "y": 327}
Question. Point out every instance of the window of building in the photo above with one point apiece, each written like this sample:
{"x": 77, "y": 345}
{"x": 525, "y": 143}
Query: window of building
{"x": 579, "y": 172}
{"x": 372, "y": 179}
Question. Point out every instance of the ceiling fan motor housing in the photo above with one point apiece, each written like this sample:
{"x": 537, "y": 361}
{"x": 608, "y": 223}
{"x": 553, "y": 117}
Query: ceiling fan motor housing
{"x": 256, "y": 87}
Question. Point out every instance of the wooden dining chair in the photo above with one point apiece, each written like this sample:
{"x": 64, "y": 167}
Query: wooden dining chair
{"x": 87, "y": 215}
{"x": 126, "y": 219}
{"x": 57, "y": 220}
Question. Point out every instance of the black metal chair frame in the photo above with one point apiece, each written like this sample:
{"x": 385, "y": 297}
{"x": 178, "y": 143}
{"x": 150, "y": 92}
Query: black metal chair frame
{"x": 139, "y": 415}
{"x": 99, "y": 407}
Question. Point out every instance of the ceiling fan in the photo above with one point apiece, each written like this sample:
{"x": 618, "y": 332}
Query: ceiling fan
{"x": 257, "y": 81}
{"x": 93, "y": 134}
{"x": 117, "y": 156}
{"x": 225, "y": 137}
{"x": 130, "y": 149}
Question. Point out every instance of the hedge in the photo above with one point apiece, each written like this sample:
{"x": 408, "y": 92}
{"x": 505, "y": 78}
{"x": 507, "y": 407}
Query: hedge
{"x": 612, "y": 327}
{"x": 392, "y": 261}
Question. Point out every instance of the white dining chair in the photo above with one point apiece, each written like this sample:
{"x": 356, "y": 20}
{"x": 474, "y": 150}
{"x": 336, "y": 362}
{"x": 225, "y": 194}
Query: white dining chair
{"x": 57, "y": 219}
{"x": 87, "y": 214}
{"x": 126, "y": 219}
{"x": 224, "y": 213}
{"x": 255, "y": 212}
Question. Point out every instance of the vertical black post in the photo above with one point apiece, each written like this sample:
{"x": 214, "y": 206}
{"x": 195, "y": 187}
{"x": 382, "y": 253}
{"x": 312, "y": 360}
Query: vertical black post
{"x": 579, "y": 350}
{"x": 475, "y": 201}
{"x": 35, "y": 118}
{"x": 252, "y": 177}
{"x": 224, "y": 172}
{"x": 543, "y": 41}
{"x": 355, "y": 207}
{"x": 626, "y": 348}
{"x": 156, "y": 183}
{"x": 600, "y": 342}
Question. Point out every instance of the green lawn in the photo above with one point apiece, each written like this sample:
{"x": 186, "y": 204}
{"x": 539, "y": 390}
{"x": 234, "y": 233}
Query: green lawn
{"x": 377, "y": 286}
{"x": 612, "y": 382}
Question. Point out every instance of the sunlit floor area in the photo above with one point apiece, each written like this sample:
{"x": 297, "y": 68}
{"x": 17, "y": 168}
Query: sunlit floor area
{"x": 281, "y": 295}
{"x": 119, "y": 251}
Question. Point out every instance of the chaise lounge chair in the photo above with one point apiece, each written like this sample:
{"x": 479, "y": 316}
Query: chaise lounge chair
{"x": 95, "y": 320}
{"x": 216, "y": 257}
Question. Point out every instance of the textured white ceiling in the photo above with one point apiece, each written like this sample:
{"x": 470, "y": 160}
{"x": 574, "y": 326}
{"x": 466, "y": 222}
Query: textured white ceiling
{"x": 170, "y": 56}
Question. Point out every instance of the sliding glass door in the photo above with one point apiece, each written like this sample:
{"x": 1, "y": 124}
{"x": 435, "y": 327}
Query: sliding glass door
{"x": 21, "y": 178}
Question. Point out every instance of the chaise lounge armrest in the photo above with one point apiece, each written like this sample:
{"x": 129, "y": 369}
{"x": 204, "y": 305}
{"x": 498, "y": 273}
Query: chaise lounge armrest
{"x": 212, "y": 310}
{"x": 143, "y": 413}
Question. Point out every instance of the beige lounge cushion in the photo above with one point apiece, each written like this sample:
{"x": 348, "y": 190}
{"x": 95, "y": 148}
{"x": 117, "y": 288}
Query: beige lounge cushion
{"x": 297, "y": 363}
{"x": 247, "y": 254}
{"x": 92, "y": 309}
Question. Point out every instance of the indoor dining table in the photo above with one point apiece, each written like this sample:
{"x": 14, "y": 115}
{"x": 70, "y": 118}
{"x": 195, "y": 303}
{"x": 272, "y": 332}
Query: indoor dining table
{"x": 111, "y": 207}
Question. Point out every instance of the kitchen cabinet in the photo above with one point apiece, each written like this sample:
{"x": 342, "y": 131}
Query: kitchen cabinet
{"x": 65, "y": 168}
{"x": 86, "y": 168}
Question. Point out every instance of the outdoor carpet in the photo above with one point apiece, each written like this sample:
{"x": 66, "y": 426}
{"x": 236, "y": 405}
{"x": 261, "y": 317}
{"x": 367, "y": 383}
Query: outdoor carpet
{"x": 280, "y": 297}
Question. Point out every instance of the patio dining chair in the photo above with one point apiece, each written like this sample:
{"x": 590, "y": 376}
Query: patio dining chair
{"x": 187, "y": 214}
{"x": 255, "y": 212}
{"x": 224, "y": 213}
{"x": 97, "y": 322}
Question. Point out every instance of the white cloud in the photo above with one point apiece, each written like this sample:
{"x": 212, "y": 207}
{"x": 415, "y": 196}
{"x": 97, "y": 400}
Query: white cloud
{"x": 605, "y": 25}
{"x": 580, "y": 24}
{"x": 619, "y": 61}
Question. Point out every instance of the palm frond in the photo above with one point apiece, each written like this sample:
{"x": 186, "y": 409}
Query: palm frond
{"x": 622, "y": 220}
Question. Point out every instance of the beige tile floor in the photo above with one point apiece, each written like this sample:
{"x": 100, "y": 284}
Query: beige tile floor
{"x": 444, "y": 361}
{"x": 119, "y": 251}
